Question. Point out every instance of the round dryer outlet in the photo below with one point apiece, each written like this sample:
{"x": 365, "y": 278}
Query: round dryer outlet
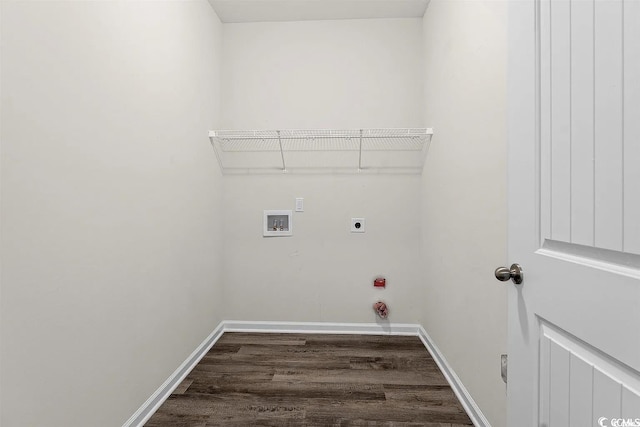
{"x": 357, "y": 225}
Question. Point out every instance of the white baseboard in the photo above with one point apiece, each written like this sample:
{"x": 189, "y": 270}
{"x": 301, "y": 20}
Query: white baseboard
{"x": 152, "y": 404}
{"x": 322, "y": 328}
{"x": 461, "y": 392}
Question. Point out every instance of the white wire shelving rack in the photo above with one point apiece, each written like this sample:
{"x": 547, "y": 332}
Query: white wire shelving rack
{"x": 401, "y": 150}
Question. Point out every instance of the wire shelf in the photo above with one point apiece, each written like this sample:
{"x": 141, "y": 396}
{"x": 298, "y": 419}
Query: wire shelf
{"x": 321, "y": 150}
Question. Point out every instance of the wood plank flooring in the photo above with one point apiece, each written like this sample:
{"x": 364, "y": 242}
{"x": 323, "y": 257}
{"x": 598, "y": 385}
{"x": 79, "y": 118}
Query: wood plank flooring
{"x": 313, "y": 380}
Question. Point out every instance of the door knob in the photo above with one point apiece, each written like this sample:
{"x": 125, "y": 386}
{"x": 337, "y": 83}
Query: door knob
{"x": 514, "y": 273}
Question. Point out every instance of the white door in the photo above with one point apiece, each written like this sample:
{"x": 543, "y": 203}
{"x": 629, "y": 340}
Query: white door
{"x": 574, "y": 213}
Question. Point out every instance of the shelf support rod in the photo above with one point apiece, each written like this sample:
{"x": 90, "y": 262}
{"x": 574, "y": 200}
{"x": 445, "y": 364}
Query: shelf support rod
{"x": 284, "y": 167}
{"x": 360, "y": 153}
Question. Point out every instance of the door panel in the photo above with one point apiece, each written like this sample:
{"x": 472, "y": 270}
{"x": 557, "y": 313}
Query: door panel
{"x": 608, "y": 124}
{"x": 630, "y": 403}
{"x": 631, "y": 126}
{"x": 582, "y": 135}
{"x": 582, "y": 121}
{"x": 579, "y": 384}
{"x": 559, "y": 53}
{"x": 581, "y": 400}
{"x": 574, "y": 185}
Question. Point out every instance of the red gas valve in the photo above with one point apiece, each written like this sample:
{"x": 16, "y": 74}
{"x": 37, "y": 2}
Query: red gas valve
{"x": 380, "y": 282}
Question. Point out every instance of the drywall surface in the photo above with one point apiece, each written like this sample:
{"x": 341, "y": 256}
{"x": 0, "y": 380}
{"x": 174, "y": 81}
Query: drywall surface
{"x": 464, "y": 193}
{"x": 323, "y": 272}
{"x": 111, "y": 209}
{"x": 322, "y": 74}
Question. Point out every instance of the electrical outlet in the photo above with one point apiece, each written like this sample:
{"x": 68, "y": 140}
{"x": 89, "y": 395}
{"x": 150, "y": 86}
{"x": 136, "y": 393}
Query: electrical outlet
{"x": 357, "y": 225}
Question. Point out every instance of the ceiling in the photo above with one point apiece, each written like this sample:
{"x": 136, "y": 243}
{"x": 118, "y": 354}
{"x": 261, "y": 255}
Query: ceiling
{"x": 311, "y": 10}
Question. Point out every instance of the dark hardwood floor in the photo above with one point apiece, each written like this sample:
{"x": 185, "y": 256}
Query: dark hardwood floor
{"x": 313, "y": 380}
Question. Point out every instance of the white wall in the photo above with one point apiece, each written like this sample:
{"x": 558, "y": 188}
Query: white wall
{"x": 110, "y": 211}
{"x": 322, "y": 74}
{"x": 464, "y": 193}
{"x": 323, "y": 272}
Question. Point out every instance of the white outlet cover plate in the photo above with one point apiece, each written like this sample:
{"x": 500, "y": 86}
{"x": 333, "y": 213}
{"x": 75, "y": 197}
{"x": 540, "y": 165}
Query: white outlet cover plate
{"x": 358, "y": 225}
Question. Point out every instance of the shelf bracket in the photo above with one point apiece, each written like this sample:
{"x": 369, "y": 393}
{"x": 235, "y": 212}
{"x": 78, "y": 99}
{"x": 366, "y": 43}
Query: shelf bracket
{"x": 215, "y": 143}
{"x": 284, "y": 166}
{"x": 425, "y": 147}
{"x": 360, "y": 153}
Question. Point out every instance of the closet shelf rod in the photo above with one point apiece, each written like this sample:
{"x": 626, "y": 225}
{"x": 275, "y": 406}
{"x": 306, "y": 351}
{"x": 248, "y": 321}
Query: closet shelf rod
{"x": 293, "y": 138}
